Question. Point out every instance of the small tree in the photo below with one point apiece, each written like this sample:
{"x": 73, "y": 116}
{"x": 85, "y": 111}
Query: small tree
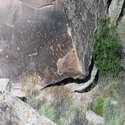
{"x": 107, "y": 50}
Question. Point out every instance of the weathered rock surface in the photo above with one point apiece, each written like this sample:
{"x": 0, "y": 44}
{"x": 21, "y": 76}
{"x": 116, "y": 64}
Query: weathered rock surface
{"x": 8, "y": 116}
{"x": 115, "y": 10}
{"x": 32, "y": 41}
{"x": 15, "y": 112}
{"x": 36, "y": 39}
{"x": 16, "y": 90}
{"x": 4, "y": 84}
{"x": 83, "y": 86}
{"x": 94, "y": 118}
{"x": 37, "y": 3}
{"x": 82, "y": 19}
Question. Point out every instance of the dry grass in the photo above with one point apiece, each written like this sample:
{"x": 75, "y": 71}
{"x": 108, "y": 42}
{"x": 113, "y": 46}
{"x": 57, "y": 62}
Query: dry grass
{"x": 30, "y": 82}
{"x": 110, "y": 88}
{"x": 60, "y": 91}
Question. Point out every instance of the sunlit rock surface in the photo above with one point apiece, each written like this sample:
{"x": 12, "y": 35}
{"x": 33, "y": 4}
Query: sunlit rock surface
{"x": 115, "y": 10}
{"x": 94, "y": 118}
{"x": 15, "y": 112}
{"x": 4, "y": 83}
{"x": 45, "y": 38}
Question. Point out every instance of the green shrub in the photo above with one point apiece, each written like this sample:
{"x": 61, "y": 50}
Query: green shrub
{"x": 107, "y": 50}
{"x": 98, "y": 106}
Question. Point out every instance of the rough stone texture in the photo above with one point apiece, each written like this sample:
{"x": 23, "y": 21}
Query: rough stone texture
{"x": 94, "y": 118}
{"x": 15, "y": 112}
{"x": 8, "y": 116}
{"x": 4, "y": 83}
{"x": 38, "y": 3}
{"x": 38, "y": 39}
{"x": 33, "y": 41}
{"x": 82, "y": 19}
{"x": 82, "y": 87}
{"x": 115, "y": 10}
{"x": 102, "y": 8}
{"x": 16, "y": 90}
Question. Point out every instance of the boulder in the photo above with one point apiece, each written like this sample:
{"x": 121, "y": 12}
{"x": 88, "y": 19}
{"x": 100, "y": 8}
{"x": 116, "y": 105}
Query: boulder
{"x": 16, "y": 90}
{"x": 15, "y": 112}
{"x": 94, "y": 118}
{"x": 82, "y": 20}
{"x": 4, "y": 84}
{"x": 5, "y": 115}
{"x": 43, "y": 42}
{"x": 115, "y": 10}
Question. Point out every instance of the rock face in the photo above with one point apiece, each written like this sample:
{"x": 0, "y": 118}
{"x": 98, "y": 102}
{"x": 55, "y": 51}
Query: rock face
{"x": 5, "y": 115}
{"x": 15, "y": 112}
{"x": 115, "y": 10}
{"x": 39, "y": 39}
{"x": 94, "y": 118}
{"x": 82, "y": 19}
{"x": 4, "y": 83}
{"x": 32, "y": 40}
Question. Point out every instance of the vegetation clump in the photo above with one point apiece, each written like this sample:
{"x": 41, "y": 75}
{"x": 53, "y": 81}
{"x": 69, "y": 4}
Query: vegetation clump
{"x": 99, "y": 104}
{"x": 107, "y": 50}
